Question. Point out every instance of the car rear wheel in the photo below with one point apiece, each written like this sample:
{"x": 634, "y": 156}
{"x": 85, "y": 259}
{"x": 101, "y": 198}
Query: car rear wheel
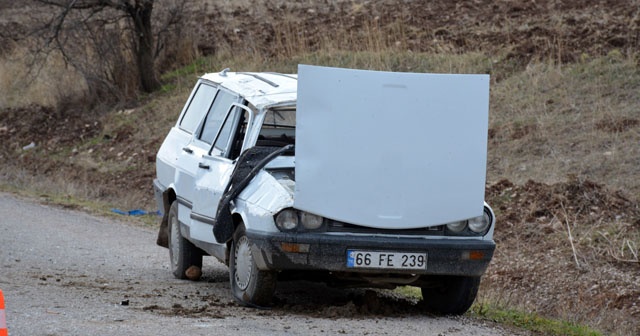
{"x": 249, "y": 285}
{"x": 182, "y": 253}
{"x": 451, "y": 295}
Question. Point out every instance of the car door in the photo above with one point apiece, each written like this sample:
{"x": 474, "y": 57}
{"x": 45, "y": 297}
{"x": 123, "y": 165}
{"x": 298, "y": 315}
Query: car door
{"x": 180, "y": 135}
{"x": 199, "y": 146}
{"x": 191, "y": 160}
{"x": 216, "y": 168}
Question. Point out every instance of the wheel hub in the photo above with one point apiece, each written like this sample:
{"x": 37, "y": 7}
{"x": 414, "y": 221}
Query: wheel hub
{"x": 243, "y": 261}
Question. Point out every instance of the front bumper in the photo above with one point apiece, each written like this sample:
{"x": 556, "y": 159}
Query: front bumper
{"x": 467, "y": 257}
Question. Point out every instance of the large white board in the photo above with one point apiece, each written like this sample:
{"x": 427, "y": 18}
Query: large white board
{"x": 391, "y": 150}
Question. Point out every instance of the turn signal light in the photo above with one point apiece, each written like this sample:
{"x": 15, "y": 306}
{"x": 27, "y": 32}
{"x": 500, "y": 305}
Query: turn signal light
{"x": 294, "y": 248}
{"x": 473, "y": 255}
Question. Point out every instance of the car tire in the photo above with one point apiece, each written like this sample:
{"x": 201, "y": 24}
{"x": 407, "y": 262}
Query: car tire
{"x": 451, "y": 295}
{"x": 249, "y": 285}
{"x": 182, "y": 253}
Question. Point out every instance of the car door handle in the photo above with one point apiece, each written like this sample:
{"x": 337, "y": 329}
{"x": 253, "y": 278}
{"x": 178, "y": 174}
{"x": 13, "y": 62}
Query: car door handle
{"x": 203, "y": 166}
{"x": 188, "y": 150}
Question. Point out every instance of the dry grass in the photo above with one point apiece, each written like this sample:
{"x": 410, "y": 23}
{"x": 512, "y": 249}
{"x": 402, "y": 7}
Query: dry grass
{"x": 552, "y": 121}
{"x": 26, "y": 182}
{"x": 46, "y": 85}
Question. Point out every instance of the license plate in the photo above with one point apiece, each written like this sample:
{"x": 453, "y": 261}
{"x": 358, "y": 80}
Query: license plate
{"x": 386, "y": 260}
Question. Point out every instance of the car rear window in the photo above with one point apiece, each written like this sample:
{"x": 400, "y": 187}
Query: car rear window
{"x": 198, "y": 106}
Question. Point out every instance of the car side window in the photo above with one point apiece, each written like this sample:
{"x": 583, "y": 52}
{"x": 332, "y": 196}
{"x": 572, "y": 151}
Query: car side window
{"x": 278, "y": 128}
{"x": 216, "y": 115}
{"x": 231, "y": 137}
{"x": 197, "y": 107}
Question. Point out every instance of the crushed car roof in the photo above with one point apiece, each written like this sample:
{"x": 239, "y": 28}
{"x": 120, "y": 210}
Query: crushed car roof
{"x": 262, "y": 89}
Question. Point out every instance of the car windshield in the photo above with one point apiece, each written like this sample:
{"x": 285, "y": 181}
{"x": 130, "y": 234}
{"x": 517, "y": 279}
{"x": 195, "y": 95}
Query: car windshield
{"x": 278, "y": 128}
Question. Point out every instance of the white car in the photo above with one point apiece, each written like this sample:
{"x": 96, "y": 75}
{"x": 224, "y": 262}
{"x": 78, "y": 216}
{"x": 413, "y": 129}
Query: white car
{"x": 351, "y": 177}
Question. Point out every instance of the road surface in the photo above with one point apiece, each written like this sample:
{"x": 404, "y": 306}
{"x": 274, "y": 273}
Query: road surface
{"x": 66, "y": 272}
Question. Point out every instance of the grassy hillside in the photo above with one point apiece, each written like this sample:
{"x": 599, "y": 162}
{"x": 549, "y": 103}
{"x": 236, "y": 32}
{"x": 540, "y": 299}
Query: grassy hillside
{"x": 564, "y": 137}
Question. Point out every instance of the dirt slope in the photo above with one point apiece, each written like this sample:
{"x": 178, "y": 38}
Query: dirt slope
{"x": 517, "y": 31}
{"x": 567, "y": 250}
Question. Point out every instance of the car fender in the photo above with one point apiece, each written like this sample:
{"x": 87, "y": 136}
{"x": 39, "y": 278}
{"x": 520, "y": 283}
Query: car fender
{"x": 262, "y": 199}
{"x": 249, "y": 165}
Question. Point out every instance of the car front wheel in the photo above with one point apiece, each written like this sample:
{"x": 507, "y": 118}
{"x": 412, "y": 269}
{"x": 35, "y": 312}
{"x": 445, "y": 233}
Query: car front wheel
{"x": 182, "y": 253}
{"x": 451, "y": 295}
{"x": 249, "y": 285}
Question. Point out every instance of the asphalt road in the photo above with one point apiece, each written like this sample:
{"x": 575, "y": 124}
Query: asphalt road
{"x": 66, "y": 272}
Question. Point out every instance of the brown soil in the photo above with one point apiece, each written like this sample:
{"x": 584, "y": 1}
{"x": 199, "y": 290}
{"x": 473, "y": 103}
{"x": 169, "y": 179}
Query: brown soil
{"x": 514, "y": 31}
{"x": 537, "y": 267}
{"x": 62, "y": 150}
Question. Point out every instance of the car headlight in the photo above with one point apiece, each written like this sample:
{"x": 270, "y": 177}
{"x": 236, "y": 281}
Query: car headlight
{"x": 291, "y": 219}
{"x": 287, "y": 220}
{"x": 310, "y": 221}
{"x": 457, "y": 226}
{"x": 480, "y": 224}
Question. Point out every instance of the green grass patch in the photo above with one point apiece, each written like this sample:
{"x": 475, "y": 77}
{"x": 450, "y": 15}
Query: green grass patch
{"x": 167, "y": 88}
{"x": 409, "y": 291}
{"x": 515, "y": 318}
{"x": 530, "y": 321}
{"x": 195, "y": 68}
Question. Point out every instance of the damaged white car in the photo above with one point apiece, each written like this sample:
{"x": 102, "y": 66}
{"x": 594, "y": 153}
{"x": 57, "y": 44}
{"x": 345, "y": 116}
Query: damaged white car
{"x": 350, "y": 177}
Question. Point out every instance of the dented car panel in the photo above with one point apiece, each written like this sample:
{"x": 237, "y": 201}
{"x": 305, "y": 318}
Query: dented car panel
{"x": 265, "y": 196}
{"x": 356, "y": 178}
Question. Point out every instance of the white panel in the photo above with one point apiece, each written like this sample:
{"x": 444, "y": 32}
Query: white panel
{"x": 391, "y": 150}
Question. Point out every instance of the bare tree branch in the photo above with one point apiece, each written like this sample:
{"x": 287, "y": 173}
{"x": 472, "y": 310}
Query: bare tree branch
{"x": 113, "y": 44}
